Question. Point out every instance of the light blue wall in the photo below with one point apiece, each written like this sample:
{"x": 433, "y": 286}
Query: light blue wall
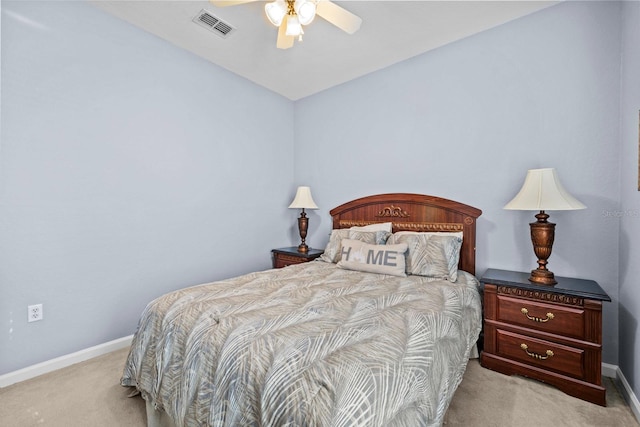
{"x": 630, "y": 198}
{"x": 122, "y": 176}
{"x": 129, "y": 168}
{"x": 466, "y": 121}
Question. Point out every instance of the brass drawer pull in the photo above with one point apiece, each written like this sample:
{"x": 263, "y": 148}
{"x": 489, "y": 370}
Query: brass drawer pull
{"x": 536, "y": 355}
{"x": 550, "y": 316}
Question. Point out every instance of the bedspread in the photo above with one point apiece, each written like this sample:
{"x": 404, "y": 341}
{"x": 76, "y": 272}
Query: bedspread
{"x": 306, "y": 345}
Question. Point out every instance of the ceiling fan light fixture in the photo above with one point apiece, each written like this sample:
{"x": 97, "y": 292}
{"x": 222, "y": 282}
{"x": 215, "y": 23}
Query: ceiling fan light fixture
{"x": 293, "y": 26}
{"x": 289, "y": 16}
{"x": 306, "y": 11}
{"x": 276, "y": 11}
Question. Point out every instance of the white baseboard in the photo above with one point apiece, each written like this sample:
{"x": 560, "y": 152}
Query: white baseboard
{"x": 64, "y": 361}
{"x": 628, "y": 393}
{"x": 609, "y": 370}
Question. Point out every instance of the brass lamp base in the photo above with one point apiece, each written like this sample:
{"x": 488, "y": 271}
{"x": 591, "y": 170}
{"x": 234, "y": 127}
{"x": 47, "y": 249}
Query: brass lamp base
{"x": 542, "y": 277}
{"x": 303, "y": 225}
{"x": 542, "y": 235}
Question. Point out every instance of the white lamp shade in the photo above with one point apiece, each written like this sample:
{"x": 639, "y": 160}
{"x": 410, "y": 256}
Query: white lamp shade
{"x": 306, "y": 11}
{"x": 276, "y": 11}
{"x": 293, "y": 26}
{"x": 303, "y": 199}
{"x": 542, "y": 191}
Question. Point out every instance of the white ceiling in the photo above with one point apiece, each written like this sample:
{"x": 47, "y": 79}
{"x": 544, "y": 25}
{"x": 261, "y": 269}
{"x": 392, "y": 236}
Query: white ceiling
{"x": 391, "y": 31}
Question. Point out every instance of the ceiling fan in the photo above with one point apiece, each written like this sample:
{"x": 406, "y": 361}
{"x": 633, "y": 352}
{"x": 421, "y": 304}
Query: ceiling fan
{"x": 290, "y": 15}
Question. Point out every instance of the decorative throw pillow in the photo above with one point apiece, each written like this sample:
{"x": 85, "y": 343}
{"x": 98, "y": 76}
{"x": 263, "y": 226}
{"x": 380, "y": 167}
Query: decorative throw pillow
{"x": 431, "y": 254}
{"x": 333, "y": 248}
{"x": 381, "y": 226}
{"x": 382, "y": 259}
{"x": 371, "y": 237}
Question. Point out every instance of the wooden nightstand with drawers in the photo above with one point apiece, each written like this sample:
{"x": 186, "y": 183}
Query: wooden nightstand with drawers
{"x": 283, "y": 257}
{"x": 549, "y": 333}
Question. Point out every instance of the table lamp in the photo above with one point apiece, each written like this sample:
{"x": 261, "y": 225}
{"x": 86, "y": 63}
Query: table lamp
{"x": 542, "y": 192}
{"x": 303, "y": 200}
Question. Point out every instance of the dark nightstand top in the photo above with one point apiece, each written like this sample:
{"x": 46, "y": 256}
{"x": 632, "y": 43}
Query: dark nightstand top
{"x": 293, "y": 250}
{"x": 566, "y": 285}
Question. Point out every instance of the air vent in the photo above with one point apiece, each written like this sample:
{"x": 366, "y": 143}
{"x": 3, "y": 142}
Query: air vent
{"x": 214, "y": 24}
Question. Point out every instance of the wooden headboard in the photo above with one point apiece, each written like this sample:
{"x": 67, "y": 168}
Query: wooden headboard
{"x": 414, "y": 212}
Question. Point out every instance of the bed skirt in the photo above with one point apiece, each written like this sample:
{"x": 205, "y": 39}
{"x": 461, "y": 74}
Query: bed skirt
{"x": 157, "y": 418}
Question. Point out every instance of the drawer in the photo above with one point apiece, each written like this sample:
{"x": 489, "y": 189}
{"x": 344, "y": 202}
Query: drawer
{"x": 282, "y": 260}
{"x": 544, "y": 354}
{"x": 553, "y": 318}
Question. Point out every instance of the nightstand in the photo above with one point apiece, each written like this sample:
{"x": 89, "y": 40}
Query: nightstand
{"x": 283, "y": 257}
{"x": 549, "y": 333}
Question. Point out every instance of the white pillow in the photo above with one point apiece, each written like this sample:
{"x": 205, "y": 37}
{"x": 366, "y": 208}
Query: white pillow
{"x": 431, "y": 233}
{"x": 382, "y": 259}
{"x": 382, "y": 226}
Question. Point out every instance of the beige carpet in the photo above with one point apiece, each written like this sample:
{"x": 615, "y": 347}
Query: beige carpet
{"x": 489, "y": 399}
{"x": 89, "y": 395}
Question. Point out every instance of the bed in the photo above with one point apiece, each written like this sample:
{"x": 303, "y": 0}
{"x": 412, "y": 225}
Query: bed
{"x": 344, "y": 340}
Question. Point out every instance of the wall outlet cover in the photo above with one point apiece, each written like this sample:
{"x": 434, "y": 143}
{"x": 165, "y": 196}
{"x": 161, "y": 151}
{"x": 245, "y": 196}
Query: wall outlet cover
{"x": 34, "y": 313}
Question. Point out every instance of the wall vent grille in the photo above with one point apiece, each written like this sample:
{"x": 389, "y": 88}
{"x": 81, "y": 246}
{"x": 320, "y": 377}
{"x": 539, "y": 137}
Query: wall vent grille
{"x": 214, "y": 24}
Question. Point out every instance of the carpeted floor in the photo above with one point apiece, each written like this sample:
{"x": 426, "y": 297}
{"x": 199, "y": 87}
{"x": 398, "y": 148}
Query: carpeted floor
{"x": 489, "y": 399}
{"x": 89, "y": 395}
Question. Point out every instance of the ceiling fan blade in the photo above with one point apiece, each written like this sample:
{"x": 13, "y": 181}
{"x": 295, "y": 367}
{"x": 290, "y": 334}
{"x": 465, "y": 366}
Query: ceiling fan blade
{"x": 338, "y": 16}
{"x": 223, "y": 3}
{"x": 284, "y": 41}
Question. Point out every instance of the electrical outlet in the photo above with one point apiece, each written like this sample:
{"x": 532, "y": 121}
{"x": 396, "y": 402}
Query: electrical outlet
{"x": 34, "y": 312}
